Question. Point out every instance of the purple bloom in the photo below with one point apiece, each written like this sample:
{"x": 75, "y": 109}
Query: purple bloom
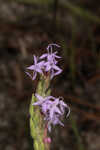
{"x": 50, "y": 56}
{"x": 52, "y": 108}
{"x": 56, "y": 111}
{"x": 50, "y": 64}
{"x": 37, "y": 67}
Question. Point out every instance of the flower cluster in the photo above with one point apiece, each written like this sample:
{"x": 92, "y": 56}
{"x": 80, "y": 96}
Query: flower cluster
{"x": 52, "y": 108}
{"x": 45, "y": 63}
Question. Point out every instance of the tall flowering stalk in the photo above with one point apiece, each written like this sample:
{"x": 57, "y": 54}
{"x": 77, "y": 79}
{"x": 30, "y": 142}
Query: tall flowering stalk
{"x": 45, "y": 110}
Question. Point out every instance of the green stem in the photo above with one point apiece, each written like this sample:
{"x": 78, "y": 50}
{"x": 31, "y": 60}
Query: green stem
{"x": 37, "y": 125}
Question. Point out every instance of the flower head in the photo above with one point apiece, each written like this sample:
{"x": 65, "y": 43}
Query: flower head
{"x": 52, "y": 108}
{"x": 51, "y": 62}
{"x": 45, "y": 63}
{"x": 50, "y": 56}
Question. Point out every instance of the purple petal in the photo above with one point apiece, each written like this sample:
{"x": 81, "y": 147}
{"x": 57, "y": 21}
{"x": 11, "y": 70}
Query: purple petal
{"x": 37, "y": 103}
{"x": 38, "y": 97}
{"x": 39, "y": 70}
{"x": 45, "y": 108}
{"x": 63, "y": 104}
{"x": 51, "y": 113}
{"x": 35, "y": 60}
{"x": 43, "y": 56}
{"x": 31, "y": 67}
{"x": 55, "y": 121}
{"x": 58, "y": 72}
{"x": 56, "y": 67}
{"x": 53, "y": 44}
{"x": 41, "y": 64}
{"x": 56, "y": 56}
{"x": 49, "y": 48}
{"x": 50, "y": 97}
{"x": 34, "y": 75}
{"x": 52, "y": 74}
{"x": 48, "y": 67}
{"x": 56, "y": 45}
{"x": 61, "y": 123}
{"x": 57, "y": 110}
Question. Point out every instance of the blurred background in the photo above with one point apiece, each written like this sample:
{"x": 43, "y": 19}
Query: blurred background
{"x": 26, "y": 28}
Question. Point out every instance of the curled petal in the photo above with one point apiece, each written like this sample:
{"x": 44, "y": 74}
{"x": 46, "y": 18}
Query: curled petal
{"x": 68, "y": 111}
{"x": 50, "y": 97}
{"x": 58, "y": 72}
{"x": 53, "y": 44}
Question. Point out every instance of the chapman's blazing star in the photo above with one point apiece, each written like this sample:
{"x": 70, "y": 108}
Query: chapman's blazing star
{"x": 51, "y": 107}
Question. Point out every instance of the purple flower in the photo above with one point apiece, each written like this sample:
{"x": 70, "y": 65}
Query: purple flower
{"x": 50, "y": 56}
{"x": 50, "y": 64}
{"x": 52, "y": 108}
{"x": 56, "y": 111}
{"x": 37, "y": 67}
